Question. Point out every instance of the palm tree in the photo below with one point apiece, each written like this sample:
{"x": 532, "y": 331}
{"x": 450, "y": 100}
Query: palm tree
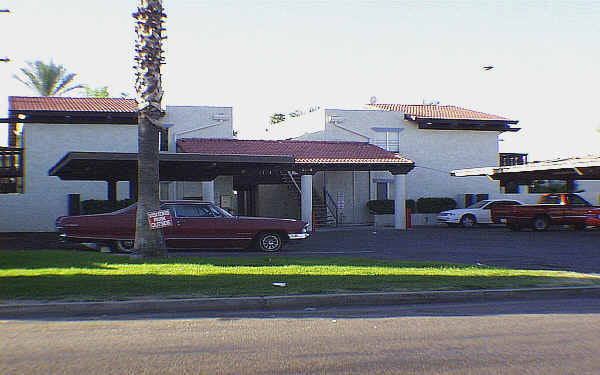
{"x": 148, "y": 26}
{"x": 47, "y": 79}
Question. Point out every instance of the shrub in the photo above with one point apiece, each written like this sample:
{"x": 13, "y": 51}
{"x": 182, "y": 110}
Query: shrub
{"x": 96, "y": 206}
{"x": 386, "y": 206}
{"x": 435, "y": 205}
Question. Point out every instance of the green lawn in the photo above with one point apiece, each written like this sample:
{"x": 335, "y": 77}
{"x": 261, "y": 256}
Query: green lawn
{"x": 76, "y": 275}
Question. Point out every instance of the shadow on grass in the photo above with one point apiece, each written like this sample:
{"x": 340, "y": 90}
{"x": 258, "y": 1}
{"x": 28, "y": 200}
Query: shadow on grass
{"x": 94, "y": 260}
{"x": 81, "y": 286}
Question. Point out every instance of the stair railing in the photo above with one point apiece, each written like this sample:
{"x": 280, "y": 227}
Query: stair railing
{"x": 331, "y": 206}
{"x": 295, "y": 183}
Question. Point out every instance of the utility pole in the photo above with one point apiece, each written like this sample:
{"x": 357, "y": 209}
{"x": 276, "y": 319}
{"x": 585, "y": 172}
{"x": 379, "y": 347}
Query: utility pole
{"x": 6, "y": 59}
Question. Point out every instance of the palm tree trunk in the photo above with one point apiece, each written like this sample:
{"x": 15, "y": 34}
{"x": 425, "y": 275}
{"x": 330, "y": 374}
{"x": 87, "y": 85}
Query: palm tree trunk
{"x": 149, "y": 16}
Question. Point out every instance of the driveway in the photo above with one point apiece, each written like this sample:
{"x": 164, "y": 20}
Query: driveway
{"x": 553, "y": 250}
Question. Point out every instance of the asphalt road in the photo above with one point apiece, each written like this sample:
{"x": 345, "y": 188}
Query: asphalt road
{"x": 534, "y": 337}
{"x": 557, "y": 249}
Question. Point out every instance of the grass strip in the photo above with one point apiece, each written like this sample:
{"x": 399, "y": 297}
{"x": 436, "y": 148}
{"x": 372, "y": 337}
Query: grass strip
{"x": 76, "y": 275}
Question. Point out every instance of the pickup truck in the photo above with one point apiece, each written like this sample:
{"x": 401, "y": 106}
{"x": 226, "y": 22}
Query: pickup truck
{"x": 552, "y": 209}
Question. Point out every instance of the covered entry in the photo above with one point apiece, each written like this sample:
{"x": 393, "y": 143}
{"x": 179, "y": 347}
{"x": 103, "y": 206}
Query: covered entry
{"x": 250, "y": 162}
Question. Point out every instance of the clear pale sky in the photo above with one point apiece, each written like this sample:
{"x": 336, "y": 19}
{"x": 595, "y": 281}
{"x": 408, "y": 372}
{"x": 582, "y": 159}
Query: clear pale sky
{"x": 272, "y": 56}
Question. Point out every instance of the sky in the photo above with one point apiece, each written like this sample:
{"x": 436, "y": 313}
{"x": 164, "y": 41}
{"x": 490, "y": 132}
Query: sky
{"x": 275, "y": 56}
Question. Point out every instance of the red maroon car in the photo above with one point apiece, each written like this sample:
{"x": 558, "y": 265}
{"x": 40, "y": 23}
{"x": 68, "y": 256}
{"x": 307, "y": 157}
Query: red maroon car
{"x": 195, "y": 225}
{"x": 592, "y": 221}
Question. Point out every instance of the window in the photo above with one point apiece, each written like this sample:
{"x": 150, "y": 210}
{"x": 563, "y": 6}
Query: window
{"x": 382, "y": 190}
{"x": 574, "y": 200}
{"x": 388, "y": 138}
{"x": 551, "y": 199}
{"x": 192, "y": 210}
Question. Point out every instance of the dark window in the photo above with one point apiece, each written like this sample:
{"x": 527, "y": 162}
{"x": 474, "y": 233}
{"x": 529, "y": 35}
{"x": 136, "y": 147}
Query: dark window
{"x": 382, "y": 190}
{"x": 189, "y": 210}
{"x": 575, "y": 200}
{"x": 551, "y": 199}
{"x": 164, "y": 139}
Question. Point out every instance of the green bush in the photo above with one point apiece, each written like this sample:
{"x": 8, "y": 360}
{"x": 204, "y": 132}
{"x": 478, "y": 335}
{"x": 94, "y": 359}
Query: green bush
{"x": 96, "y": 206}
{"x": 386, "y": 206}
{"x": 435, "y": 205}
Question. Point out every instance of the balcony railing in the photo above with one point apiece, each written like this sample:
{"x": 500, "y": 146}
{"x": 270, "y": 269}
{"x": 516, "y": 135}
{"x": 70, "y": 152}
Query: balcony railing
{"x": 11, "y": 162}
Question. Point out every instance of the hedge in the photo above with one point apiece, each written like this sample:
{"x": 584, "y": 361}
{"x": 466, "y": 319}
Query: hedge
{"x": 422, "y": 206}
{"x": 435, "y": 205}
{"x": 386, "y": 206}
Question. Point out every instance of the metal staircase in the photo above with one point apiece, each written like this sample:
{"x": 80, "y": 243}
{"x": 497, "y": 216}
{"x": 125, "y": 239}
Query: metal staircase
{"x": 322, "y": 215}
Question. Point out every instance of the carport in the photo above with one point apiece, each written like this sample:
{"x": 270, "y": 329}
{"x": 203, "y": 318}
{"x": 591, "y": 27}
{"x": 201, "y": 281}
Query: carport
{"x": 569, "y": 170}
{"x": 245, "y": 160}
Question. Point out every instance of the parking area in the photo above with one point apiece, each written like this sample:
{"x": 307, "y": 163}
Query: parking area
{"x": 557, "y": 249}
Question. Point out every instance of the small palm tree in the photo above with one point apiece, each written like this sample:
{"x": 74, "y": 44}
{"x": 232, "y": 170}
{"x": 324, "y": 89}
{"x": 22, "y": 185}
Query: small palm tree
{"x": 47, "y": 79}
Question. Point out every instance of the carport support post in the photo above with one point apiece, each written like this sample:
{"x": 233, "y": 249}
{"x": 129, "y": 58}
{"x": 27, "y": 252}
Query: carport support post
{"x": 306, "y": 199}
{"x": 208, "y": 191}
{"x": 400, "y": 201}
{"x": 112, "y": 190}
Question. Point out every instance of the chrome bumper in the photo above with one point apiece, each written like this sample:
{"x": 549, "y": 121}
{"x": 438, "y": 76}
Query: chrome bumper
{"x": 298, "y": 236}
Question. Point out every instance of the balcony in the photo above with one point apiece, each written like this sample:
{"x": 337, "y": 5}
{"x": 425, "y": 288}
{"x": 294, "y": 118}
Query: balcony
{"x": 11, "y": 162}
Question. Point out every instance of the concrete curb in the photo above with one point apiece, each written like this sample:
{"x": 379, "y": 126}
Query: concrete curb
{"x": 72, "y": 309}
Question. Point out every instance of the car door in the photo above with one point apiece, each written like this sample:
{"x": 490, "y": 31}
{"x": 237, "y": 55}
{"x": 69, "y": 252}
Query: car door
{"x": 232, "y": 232}
{"x": 577, "y": 210}
{"x": 193, "y": 226}
{"x": 484, "y": 214}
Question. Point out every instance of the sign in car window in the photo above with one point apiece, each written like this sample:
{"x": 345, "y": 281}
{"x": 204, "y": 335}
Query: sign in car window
{"x": 160, "y": 219}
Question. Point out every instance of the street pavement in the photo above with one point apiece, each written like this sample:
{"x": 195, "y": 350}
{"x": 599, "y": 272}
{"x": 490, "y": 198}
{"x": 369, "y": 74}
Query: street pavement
{"x": 504, "y": 338}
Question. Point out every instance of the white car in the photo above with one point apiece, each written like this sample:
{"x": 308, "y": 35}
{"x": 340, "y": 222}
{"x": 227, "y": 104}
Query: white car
{"x": 477, "y": 213}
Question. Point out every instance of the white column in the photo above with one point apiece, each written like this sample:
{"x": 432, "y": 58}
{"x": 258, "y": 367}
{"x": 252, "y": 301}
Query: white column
{"x": 400, "y": 201}
{"x": 306, "y": 199}
{"x": 208, "y": 191}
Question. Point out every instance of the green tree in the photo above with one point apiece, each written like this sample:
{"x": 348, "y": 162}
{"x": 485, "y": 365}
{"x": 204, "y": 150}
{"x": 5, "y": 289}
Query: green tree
{"x": 100, "y": 92}
{"x": 47, "y": 79}
{"x": 148, "y": 26}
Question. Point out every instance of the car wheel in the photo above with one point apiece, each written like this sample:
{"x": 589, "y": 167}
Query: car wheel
{"x": 468, "y": 221}
{"x": 125, "y": 246}
{"x": 269, "y": 241}
{"x": 540, "y": 223}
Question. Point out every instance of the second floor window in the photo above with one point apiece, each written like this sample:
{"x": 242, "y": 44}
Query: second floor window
{"x": 388, "y": 138}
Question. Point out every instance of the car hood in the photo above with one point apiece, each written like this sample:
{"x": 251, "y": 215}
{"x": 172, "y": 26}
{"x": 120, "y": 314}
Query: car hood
{"x": 457, "y": 212}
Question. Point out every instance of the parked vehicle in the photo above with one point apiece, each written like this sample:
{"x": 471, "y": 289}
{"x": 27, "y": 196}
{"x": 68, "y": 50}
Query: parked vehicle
{"x": 195, "y": 225}
{"x": 477, "y": 213}
{"x": 592, "y": 220}
{"x": 552, "y": 209}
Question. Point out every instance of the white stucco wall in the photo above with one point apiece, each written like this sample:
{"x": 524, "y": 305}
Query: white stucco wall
{"x": 45, "y": 197}
{"x": 435, "y": 152}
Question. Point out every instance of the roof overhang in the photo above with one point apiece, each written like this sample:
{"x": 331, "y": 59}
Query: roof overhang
{"x": 463, "y": 124}
{"x": 106, "y": 166}
{"x": 48, "y": 117}
{"x": 585, "y": 168}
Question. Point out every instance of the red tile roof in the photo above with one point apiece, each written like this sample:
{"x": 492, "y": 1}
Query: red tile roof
{"x": 439, "y": 112}
{"x": 58, "y": 104}
{"x": 304, "y": 151}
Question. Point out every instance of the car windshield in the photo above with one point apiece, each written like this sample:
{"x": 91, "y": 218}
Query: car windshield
{"x": 478, "y": 204}
{"x": 218, "y": 211}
